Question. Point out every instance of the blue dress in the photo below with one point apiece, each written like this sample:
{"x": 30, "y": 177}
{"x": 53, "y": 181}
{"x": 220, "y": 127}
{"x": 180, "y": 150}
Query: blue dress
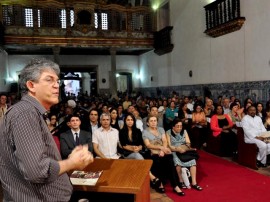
{"x": 176, "y": 142}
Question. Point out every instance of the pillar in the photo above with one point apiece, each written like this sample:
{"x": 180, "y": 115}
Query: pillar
{"x": 113, "y": 84}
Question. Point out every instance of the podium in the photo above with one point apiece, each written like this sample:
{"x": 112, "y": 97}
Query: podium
{"x": 121, "y": 180}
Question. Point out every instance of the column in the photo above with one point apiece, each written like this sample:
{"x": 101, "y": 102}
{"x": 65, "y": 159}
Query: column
{"x": 56, "y": 52}
{"x": 113, "y": 84}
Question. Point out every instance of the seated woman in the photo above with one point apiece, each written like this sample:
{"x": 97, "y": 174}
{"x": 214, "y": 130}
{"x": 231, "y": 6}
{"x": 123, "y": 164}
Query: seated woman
{"x": 52, "y": 126}
{"x": 221, "y": 125}
{"x": 114, "y": 119}
{"x": 260, "y": 111}
{"x": 131, "y": 138}
{"x": 183, "y": 113}
{"x": 170, "y": 113}
{"x": 267, "y": 120}
{"x": 155, "y": 140}
{"x": 176, "y": 136}
{"x": 235, "y": 113}
{"x": 199, "y": 127}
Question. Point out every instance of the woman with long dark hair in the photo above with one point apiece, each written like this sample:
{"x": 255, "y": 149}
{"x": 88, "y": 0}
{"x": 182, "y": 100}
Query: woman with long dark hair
{"x": 131, "y": 138}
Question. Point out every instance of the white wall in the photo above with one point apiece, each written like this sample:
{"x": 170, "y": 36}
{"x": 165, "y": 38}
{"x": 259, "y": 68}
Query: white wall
{"x": 240, "y": 56}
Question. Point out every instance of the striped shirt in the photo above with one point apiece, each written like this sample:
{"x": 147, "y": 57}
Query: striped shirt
{"x": 29, "y": 168}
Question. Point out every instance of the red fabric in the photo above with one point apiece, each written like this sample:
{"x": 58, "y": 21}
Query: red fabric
{"x": 223, "y": 180}
{"x": 56, "y": 139}
{"x": 214, "y": 124}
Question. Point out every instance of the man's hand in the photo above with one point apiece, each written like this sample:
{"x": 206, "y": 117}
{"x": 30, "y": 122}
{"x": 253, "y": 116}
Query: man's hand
{"x": 260, "y": 138}
{"x": 80, "y": 157}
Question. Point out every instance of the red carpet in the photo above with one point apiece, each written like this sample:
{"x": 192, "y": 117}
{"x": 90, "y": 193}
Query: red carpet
{"x": 222, "y": 180}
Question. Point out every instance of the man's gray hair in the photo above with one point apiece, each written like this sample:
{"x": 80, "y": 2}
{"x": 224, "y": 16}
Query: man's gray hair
{"x": 33, "y": 71}
{"x": 105, "y": 114}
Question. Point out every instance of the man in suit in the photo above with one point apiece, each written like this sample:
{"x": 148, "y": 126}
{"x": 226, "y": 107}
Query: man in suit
{"x": 73, "y": 137}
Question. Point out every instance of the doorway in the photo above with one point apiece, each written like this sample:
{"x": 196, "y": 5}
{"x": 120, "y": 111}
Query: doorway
{"x": 124, "y": 82}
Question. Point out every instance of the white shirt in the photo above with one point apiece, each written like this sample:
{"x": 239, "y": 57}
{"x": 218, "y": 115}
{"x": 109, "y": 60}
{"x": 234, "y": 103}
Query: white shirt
{"x": 226, "y": 110}
{"x": 139, "y": 124}
{"x": 252, "y": 126}
{"x": 190, "y": 106}
{"x": 107, "y": 141}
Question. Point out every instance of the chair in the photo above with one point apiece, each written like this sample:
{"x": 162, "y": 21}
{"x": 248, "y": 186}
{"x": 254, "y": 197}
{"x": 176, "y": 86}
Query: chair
{"x": 247, "y": 153}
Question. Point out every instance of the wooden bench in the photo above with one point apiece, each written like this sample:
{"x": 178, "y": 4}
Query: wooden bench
{"x": 213, "y": 144}
{"x": 247, "y": 153}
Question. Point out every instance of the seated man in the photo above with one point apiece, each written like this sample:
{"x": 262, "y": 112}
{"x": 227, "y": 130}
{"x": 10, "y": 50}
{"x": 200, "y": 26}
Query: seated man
{"x": 106, "y": 139}
{"x": 253, "y": 128}
{"x": 73, "y": 137}
{"x": 154, "y": 112}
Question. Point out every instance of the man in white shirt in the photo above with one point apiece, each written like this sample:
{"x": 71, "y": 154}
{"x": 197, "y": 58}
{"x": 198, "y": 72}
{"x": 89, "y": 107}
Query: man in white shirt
{"x": 106, "y": 139}
{"x": 253, "y": 128}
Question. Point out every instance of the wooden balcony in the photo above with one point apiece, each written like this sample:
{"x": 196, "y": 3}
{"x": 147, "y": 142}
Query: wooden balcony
{"x": 223, "y": 17}
{"x": 84, "y": 25}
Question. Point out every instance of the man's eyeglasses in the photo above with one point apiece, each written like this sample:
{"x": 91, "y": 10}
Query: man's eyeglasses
{"x": 51, "y": 81}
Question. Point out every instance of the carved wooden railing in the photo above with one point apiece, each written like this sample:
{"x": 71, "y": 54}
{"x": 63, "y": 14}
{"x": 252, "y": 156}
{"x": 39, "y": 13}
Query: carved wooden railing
{"x": 76, "y": 23}
{"x": 223, "y": 17}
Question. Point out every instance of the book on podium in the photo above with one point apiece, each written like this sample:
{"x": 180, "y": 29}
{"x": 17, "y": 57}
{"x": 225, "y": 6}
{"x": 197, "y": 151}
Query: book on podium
{"x": 85, "y": 178}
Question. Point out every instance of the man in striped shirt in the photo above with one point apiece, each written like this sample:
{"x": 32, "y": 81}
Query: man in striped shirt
{"x": 31, "y": 168}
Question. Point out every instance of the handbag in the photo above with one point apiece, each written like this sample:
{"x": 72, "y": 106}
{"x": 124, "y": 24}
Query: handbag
{"x": 156, "y": 142}
{"x": 188, "y": 155}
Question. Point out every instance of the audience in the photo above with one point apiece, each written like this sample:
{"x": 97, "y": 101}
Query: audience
{"x": 123, "y": 128}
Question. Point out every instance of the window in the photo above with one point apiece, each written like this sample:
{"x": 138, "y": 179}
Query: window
{"x": 63, "y": 19}
{"x": 104, "y": 21}
{"x": 28, "y": 17}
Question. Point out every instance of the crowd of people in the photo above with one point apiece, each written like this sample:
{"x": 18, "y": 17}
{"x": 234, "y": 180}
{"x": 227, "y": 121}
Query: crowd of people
{"x": 125, "y": 128}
